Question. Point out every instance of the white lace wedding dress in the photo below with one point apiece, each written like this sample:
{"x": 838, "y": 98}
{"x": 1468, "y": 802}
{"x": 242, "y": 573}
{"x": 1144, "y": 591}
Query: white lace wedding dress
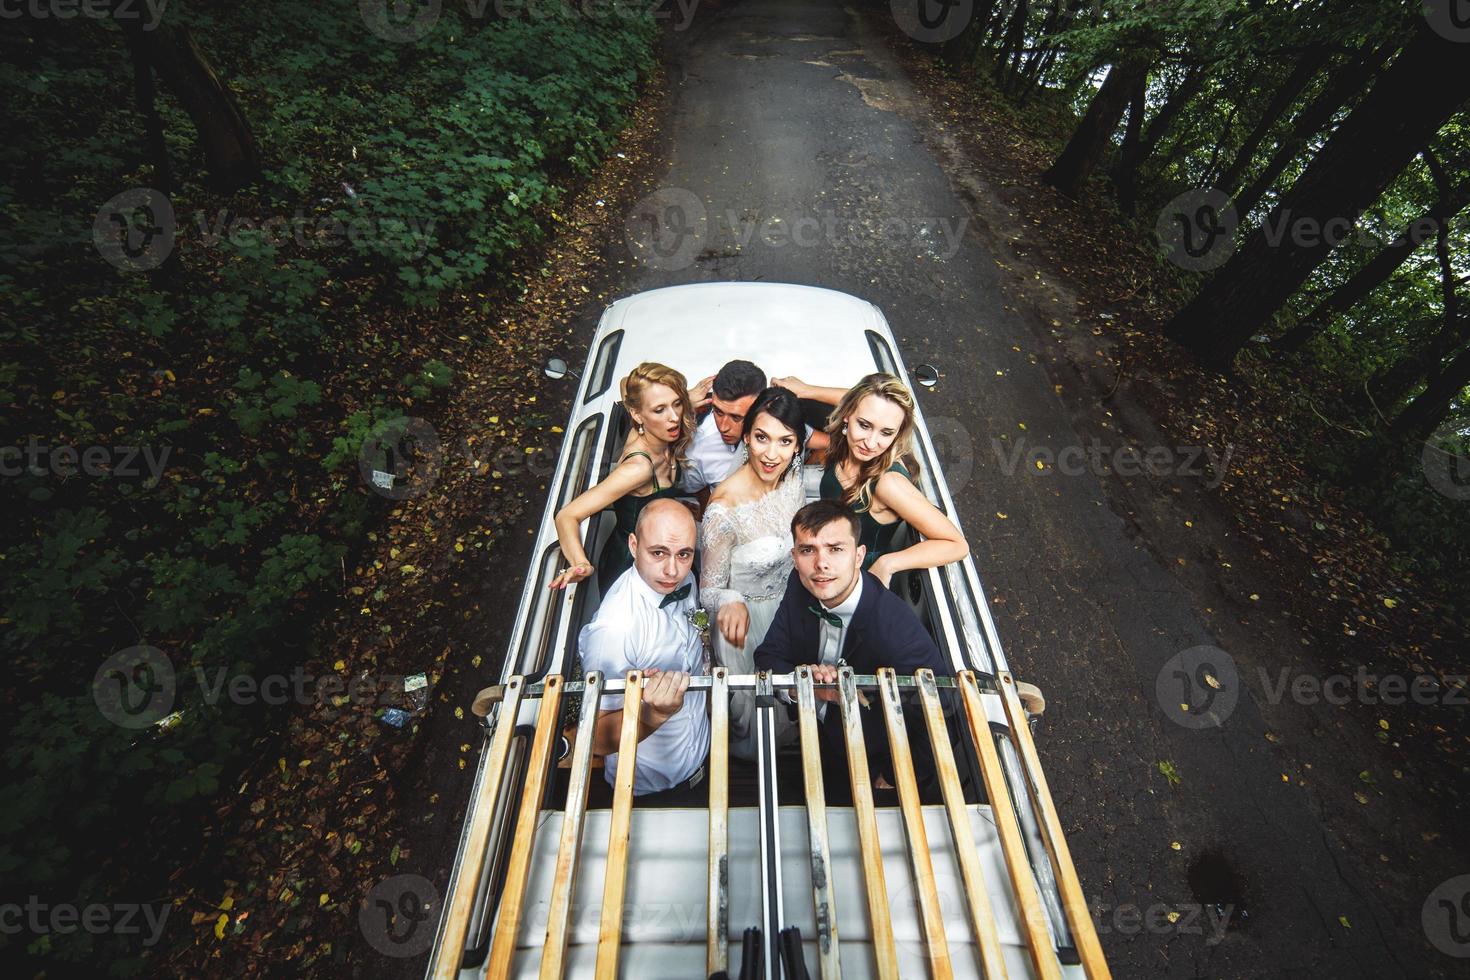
{"x": 746, "y": 557}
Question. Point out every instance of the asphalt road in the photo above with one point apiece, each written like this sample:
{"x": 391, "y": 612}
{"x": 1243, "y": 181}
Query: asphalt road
{"x": 800, "y": 152}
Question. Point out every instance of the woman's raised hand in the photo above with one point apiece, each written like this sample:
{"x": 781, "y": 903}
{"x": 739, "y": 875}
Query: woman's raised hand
{"x": 575, "y": 573}
{"x": 699, "y": 395}
{"x": 793, "y": 384}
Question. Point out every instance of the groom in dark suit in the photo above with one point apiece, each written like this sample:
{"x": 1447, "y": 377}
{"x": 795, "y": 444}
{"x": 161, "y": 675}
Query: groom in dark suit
{"x": 834, "y": 614}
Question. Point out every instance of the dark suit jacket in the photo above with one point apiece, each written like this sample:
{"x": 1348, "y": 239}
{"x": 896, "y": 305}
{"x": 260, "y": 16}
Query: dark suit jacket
{"x": 884, "y": 633}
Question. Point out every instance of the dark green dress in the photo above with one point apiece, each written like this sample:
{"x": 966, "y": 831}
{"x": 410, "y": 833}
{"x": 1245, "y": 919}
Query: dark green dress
{"x": 878, "y": 537}
{"x": 616, "y": 558}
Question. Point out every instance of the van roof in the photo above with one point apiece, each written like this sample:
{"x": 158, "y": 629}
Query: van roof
{"x": 698, "y": 328}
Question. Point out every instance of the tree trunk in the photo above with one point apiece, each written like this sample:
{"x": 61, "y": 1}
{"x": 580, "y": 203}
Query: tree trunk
{"x": 1420, "y": 417}
{"x": 1049, "y": 28}
{"x": 1090, "y": 140}
{"x": 1188, "y": 88}
{"x": 1125, "y": 174}
{"x": 231, "y": 158}
{"x": 1312, "y": 120}
{"x": 1282, "y": 99}
{"x": 1392, "y": 385}
{"x": 960, "y": 49}
{"x": 1015, "y": 36}
{"x": 145, "y": 93}
{"x": 1376, "y": 271}
{"x": 1060, "y": 20}
{"x": 995, "y": 27}
{"x": 1034, "y": 76}
{"x": 1377, "y": 140}
{"x": 1212, "y": 169}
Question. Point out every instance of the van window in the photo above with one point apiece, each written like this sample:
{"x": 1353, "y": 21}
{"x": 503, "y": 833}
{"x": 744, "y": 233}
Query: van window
{"x": 535, "y": 640}
{"x": 600, "y": 376}
{"x": 882, "y": 355}
{"x": 579, "y": 460}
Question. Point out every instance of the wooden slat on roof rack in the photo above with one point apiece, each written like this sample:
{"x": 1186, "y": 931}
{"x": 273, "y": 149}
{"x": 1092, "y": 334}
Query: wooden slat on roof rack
{"x": 867, "y": 828}
{"x": 569, "y": 847}
{"x": 477, "y": 839}
{"x": 1073, "y": 901}
{"x": 717, "y": 956}
{"x": 823, "y": 901}
{"x": 913, "y": 824}
{"x": 508, "y": 920}
{"x": 610, "y": 926}
{"x": 1032, "y": 918}
{"x": 1023, "y": 884}
{"x": 982, "y": 917}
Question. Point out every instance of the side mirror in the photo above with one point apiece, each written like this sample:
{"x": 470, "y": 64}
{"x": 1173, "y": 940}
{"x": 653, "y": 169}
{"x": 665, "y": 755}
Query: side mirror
{"x": 555, "y": 368}
{"x": 927, "y": 375}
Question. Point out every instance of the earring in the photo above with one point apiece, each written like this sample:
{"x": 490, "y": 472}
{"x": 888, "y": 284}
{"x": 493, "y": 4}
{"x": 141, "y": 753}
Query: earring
{"x": 640, "y": 428}
{"x": 844, "y": 428}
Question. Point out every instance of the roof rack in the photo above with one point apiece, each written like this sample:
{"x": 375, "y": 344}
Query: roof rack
{"x": 923, "y": 688}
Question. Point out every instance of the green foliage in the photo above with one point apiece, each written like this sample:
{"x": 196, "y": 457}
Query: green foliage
{"x": 278, "y": 399}
{"x": 53, "y": 580}
{"x": 1261, "y": 88}
{"x": 433, "y": 375}
{"x": 262, "y": 354}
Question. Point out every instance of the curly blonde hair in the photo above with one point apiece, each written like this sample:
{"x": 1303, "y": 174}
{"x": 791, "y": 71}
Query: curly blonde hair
{"x": 632, "y": 389}
{"x": 887, "y": 387}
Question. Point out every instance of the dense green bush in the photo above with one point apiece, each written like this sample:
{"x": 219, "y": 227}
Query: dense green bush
{"x": 259, "y": 356}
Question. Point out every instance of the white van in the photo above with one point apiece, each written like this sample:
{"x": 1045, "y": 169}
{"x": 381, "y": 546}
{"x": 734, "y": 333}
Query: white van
{"x": 767, "y": 881}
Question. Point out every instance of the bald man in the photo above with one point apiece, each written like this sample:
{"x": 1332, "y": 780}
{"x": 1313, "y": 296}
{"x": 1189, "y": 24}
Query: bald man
{"x": 644, "y": 624}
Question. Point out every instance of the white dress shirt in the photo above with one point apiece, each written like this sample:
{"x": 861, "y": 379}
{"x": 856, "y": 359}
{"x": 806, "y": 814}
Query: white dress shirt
{"x": 632, "y": 632}
{"x": 710, "y": 461}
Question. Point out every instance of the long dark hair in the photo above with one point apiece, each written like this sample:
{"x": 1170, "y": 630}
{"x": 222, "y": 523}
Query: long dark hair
{"x": 781, "y": 405}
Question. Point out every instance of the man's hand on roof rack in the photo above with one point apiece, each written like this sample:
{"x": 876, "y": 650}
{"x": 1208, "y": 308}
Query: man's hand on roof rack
{"x": 663, "y": 695}
{"x": 825, "y": 674}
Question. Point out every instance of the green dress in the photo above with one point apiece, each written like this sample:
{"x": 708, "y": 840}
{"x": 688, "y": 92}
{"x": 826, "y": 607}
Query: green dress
{"x": 877, "y": 536}
{"x": 616, "y": 558}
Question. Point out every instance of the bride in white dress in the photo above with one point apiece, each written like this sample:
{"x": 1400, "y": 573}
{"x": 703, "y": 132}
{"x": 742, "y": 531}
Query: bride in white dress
{"x": 745, "y": 540}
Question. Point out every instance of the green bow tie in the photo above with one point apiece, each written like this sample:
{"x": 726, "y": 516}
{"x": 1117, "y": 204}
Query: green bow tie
{"x": 830, "y": 618}
{"x": 675, "y": 596}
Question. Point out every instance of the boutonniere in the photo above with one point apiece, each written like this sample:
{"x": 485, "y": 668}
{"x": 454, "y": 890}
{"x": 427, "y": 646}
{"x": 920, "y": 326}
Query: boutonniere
{"x": 699, "y": 618}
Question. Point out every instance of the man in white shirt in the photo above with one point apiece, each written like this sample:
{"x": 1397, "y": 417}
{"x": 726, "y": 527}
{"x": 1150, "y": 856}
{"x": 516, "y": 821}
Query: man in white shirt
{"x": 644, "y": 624}
{"x": 715, "y": 452}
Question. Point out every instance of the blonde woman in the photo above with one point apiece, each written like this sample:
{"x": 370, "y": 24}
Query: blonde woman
{"x": 656, "y": 398}
{"x": 871, "y": 468}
